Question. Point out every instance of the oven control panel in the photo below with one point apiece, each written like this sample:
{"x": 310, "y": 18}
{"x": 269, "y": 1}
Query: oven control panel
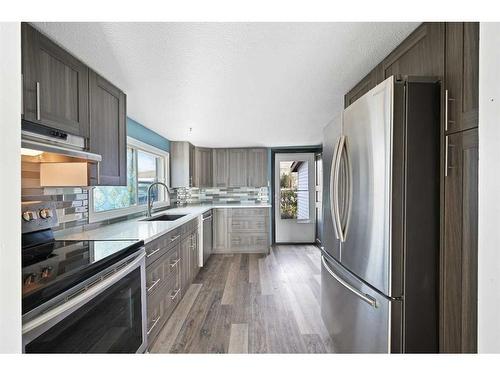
{"x": 37, "y": 216}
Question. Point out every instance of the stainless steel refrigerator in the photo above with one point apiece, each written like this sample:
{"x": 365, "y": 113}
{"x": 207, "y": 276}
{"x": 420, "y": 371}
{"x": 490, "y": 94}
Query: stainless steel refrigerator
{"x": 381, "y": 197}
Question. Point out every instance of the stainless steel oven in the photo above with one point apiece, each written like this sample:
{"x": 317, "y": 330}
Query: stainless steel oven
{"x": 104, "y": 314}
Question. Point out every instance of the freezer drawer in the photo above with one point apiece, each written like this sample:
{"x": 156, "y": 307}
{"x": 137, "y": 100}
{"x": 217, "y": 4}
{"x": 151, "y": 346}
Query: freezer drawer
{"x": 359, "y": 319}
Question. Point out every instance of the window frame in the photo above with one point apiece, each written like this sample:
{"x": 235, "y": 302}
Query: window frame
{"x": 137, "y": 208}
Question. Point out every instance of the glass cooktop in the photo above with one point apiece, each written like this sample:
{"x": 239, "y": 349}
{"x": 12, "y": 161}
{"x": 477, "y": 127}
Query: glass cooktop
{"x": 50, "y": 269}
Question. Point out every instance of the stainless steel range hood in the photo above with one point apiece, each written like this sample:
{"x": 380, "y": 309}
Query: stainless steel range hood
{"x": 55, "y": 149}
{"x": 41, "y": 138}
{"x": 62, "y": 157}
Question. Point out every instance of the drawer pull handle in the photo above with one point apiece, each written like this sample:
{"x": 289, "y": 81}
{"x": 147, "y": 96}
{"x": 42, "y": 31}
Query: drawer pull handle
{"x": 155, "y": 283}
{"x": 155, "y": 322}
{"x": 153, "y": 252}
{"x": 175, "y": 263}
{"x": 174, "y": 238}
{"x": 172, "y": 296}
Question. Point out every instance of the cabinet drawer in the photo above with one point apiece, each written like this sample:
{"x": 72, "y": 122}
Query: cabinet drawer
{"x": 172, "y": 265}
{"x": 161, "y": 304}
{"x": 156, "y": 248}
{"x": 156, "y": 314}
{"x": 248, "y": 241}
{"x": 247, "y": 212}
{"x": 161, "y": 269}
{"x": 253, "y": 224}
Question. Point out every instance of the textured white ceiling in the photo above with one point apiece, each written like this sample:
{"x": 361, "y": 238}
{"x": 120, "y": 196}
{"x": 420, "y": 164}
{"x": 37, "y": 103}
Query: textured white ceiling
{"x": 234, "y": 84}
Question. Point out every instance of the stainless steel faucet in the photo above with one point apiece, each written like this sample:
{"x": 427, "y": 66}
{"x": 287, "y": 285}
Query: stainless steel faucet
{"x": 150, "y": 202}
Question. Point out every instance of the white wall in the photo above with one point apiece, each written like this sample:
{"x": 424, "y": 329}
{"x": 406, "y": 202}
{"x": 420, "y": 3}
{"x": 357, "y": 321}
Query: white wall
{"x": 10, "y": 187}
{"x": 489, "y": 188}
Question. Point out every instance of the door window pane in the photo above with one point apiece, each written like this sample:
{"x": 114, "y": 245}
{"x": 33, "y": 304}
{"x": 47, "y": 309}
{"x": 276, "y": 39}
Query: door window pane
{"x": 294, "y": 190}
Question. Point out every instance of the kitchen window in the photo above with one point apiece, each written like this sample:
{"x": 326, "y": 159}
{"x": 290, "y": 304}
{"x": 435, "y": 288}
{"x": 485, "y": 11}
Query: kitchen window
{"x": 145, "y": 164}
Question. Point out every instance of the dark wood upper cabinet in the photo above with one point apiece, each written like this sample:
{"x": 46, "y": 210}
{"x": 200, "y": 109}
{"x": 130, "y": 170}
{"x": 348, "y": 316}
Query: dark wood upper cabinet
{"x": 203, "y": 167}
{"x": 462, "y": 75}
{"x": 182, "y": 164}
{"x": 220, "y": 159}
{"x": 257, "y": 167}
{"x": 420, "y": 54}
{"x": 238, "y": 167}
{"x": 55, "y": 85}
{"x": 459, "y": 256}
{"x": 108, "y": 134}
{"x": 192, "y": 164}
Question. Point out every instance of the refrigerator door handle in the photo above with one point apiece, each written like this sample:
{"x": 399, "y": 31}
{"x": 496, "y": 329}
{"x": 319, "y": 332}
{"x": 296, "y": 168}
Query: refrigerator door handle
{"x": 333, "y": 184}
{"x": 348, "y": 182}
{"x": 365, "y": 297}
{"x": 336, "y": 209}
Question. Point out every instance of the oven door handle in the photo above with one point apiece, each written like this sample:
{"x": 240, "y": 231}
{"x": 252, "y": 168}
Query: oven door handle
{"x": 58, "y": 313}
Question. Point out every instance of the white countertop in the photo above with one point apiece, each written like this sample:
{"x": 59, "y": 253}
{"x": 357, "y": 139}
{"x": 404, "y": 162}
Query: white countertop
{"x": 135, "y": 229}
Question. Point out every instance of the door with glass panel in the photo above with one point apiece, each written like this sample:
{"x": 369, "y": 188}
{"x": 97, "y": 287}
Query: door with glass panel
{"x": 294, "y": 188}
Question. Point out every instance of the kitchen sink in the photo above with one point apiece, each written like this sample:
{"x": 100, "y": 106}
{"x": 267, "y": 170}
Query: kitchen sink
{"x": 165, "y": 217}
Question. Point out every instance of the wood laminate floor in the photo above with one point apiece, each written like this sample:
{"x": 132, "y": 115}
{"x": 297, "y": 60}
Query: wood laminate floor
{"x": 251, "y": 303}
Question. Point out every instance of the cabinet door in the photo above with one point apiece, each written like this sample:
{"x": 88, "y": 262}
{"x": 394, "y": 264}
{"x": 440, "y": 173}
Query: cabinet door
{"x": 459, "y": 273}
{"x": 238, "y": 159}
{"x": 55, "y": 85}
{"x": 194, "y": 255}
{"x": 220, "y": 229}
{"x": 257, "y": 167}
{"x": 462, "y": 75}
{"x": 421, "y": 54}
{"x": 203, "y": 167}
{"x": 192, "y": 164}
{"x": 108, "y": 134}
{"x": 185, "y": 268}
{"x": 180, "y": 167}
{"x": 220, "y": 159}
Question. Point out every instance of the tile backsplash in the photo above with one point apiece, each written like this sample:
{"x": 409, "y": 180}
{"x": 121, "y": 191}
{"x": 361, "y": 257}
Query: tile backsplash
{"x": 220, "y": 195}
{"x": 71, "y": 202}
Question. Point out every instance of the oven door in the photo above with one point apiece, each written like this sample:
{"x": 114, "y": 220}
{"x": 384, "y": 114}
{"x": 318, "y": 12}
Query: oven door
{"x": 108, "y": 316}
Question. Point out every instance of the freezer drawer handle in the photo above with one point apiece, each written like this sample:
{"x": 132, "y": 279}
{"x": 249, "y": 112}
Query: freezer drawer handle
{"x": 365, "y": 297}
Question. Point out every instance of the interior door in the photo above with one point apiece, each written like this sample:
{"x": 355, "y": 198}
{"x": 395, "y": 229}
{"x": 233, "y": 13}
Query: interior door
{"x": 294, "y": 196}
{"x": 367, "y": 146}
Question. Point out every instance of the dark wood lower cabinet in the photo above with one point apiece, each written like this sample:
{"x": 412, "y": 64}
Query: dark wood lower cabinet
{"x": 172, "y": 265}
{"x": 459, "y": 256}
